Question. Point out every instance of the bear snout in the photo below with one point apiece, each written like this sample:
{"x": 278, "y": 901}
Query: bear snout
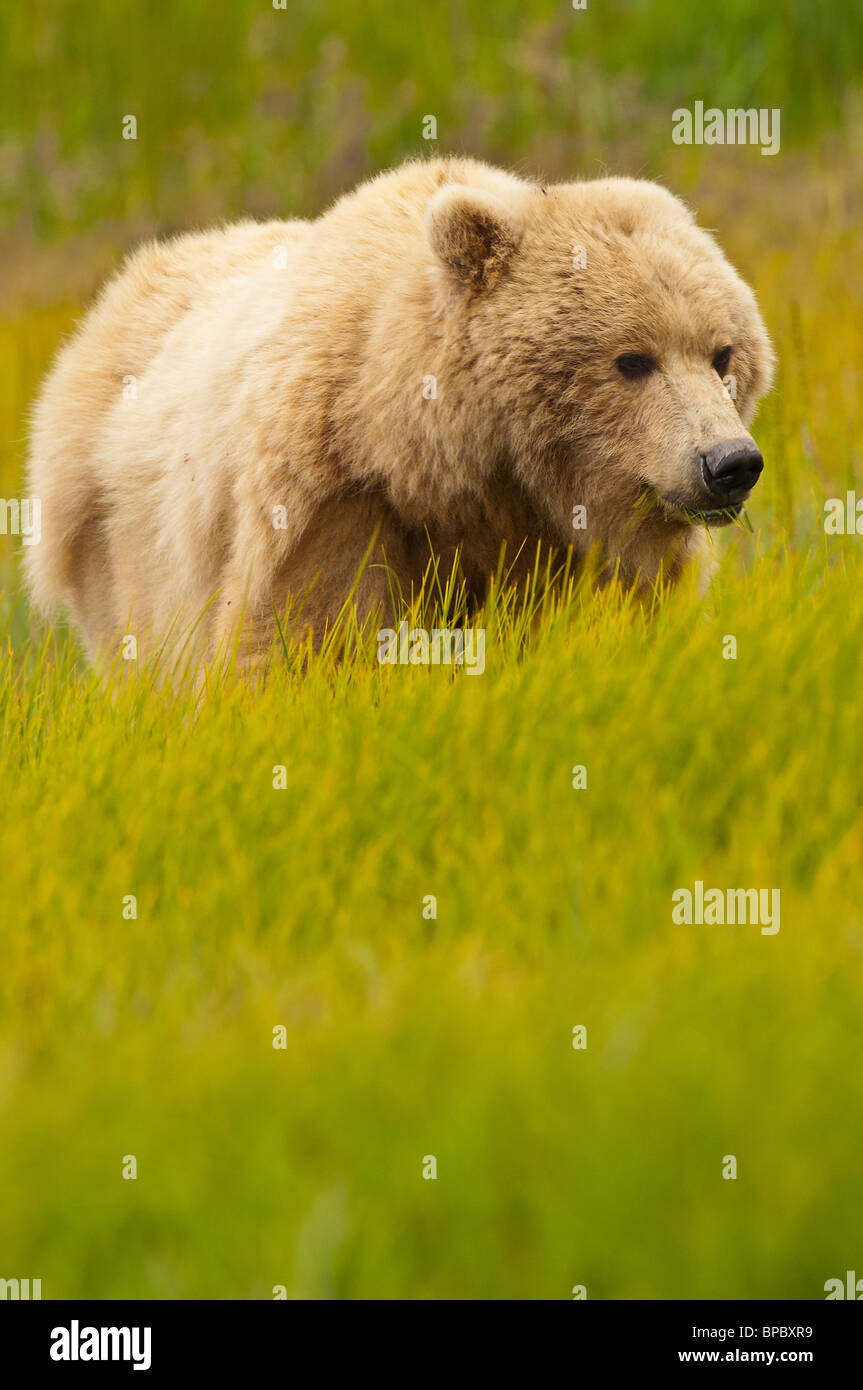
{"x": 730, "y": 470}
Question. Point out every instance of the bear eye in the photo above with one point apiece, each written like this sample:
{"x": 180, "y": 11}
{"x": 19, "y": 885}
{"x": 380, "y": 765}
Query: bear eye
{"x": 721, "y": 360}
{"x": 635, "y": 364}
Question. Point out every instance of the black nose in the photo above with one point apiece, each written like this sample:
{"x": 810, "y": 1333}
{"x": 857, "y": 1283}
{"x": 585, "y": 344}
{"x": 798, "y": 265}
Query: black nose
{"x": 731, "y": 468}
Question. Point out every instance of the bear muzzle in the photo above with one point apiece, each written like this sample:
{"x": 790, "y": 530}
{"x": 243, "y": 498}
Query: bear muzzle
{"x": 730, "y": 470}
{"x": 726, "y": 473}
{"x": 722, "y": 478}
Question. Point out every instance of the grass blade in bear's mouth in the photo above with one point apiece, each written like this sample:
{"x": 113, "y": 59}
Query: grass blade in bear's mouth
{"x": 703, "y": 516}
{"x": 725, "y": 515}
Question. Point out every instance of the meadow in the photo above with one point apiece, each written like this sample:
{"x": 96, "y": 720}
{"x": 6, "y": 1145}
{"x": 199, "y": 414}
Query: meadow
{"x": 301, "y": 906}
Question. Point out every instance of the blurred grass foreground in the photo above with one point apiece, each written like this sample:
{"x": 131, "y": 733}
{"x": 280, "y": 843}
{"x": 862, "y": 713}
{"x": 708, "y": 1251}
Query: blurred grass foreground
{"x": 285, "y": 946}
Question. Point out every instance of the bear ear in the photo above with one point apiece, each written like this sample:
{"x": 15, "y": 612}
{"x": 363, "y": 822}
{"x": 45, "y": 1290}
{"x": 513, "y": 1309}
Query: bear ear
{"x": 472, "y": 233}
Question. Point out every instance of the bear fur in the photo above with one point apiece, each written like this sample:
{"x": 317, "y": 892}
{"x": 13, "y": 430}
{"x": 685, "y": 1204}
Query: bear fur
{"x": 248, "y": 414}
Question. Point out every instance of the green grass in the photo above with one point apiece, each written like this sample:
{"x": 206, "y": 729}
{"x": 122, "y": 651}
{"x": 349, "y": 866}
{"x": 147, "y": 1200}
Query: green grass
{"x": 302, "y": 907}
{"x": 241, "y": 107}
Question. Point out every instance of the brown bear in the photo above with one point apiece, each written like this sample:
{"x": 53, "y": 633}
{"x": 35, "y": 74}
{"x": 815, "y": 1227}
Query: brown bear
{"x": 451, "y": 356}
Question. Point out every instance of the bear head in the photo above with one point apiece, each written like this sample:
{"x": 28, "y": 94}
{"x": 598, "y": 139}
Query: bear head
{"x": 620, "y": 353}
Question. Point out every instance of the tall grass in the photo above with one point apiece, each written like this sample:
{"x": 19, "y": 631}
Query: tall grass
{"x": 407, "y": 1036}
{"x": 242, "y": 107}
